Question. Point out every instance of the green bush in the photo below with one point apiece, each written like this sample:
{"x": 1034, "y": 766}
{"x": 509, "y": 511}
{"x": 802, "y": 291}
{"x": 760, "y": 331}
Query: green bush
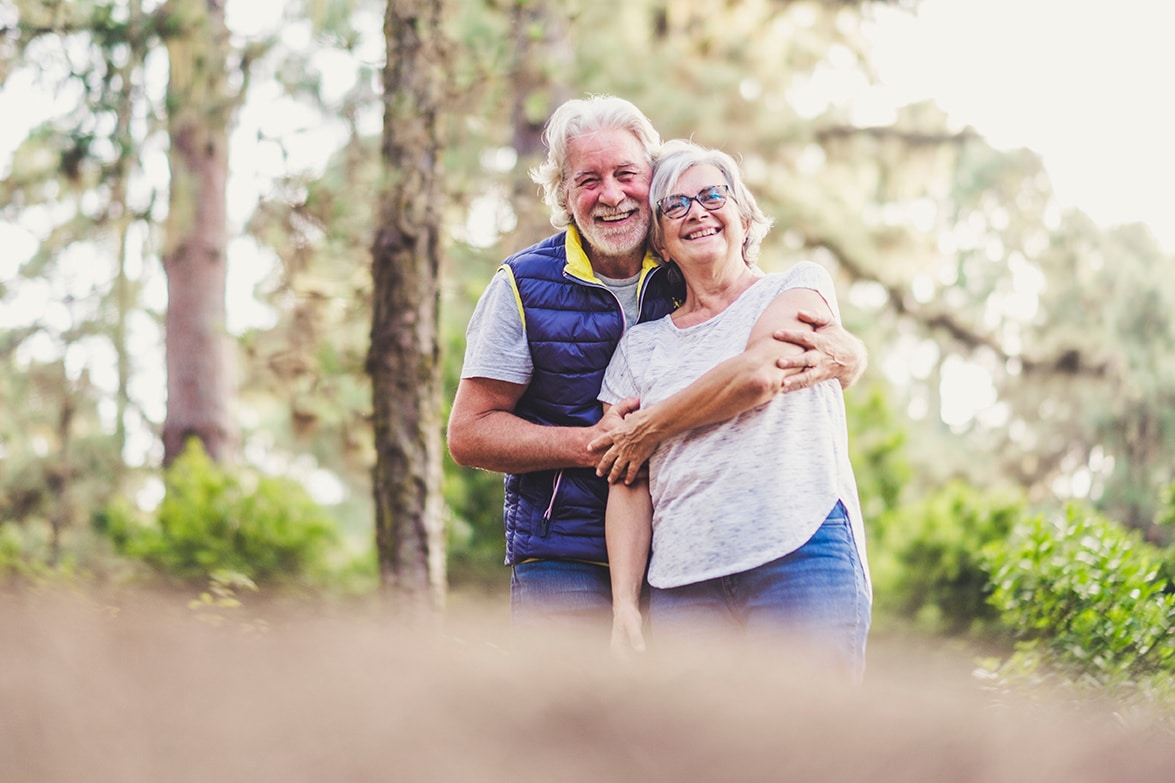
{"x": 219, "y": 520}
{"x": 27, "y": 554}
{"x": 14, "y": 559}
{"x": 926, "y": 560}
{"x": 1087, "y": 595}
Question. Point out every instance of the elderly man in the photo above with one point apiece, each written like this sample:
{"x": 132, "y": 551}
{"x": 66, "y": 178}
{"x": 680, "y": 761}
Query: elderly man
{"x": 540, "y": 339}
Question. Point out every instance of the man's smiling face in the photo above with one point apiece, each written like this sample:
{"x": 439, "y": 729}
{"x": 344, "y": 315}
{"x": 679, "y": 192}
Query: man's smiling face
{"x": 608, "y": 192}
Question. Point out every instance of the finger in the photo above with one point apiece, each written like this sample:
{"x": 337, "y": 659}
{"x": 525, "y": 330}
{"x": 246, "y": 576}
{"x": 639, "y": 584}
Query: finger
{"x": 606, "y": 464}
{"x": 799, "y": 381}
{"x": 800, "y": 361}
{"x": 618, "y": 471}
{"x": 807, "y": 340}
{"x": 628, "y": 405}
{"x": 638, "y": 469}
{"x": 815, "y": 320}
{"x": 600, "y": 442}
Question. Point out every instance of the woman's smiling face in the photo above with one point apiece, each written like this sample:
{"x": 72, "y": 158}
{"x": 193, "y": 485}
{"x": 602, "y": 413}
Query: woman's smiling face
{"x": 701, "y": 234}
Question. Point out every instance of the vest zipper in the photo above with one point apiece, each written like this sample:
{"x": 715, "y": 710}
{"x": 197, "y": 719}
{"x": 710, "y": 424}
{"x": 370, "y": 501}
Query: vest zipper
{"x": 546, "y": 526}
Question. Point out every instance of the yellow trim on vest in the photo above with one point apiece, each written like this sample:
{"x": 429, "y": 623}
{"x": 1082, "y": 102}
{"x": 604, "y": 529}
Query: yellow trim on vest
{"x": 650, "y": 263}
{"x": 517, "y": 296}
{"x": 578, "y": 264}
{"x": 580, "y": 267}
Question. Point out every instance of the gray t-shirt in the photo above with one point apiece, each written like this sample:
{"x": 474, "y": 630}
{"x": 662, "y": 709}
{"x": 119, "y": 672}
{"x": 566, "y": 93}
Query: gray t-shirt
{"x": 735, "y": 495}
{"x": 495, "y": 341}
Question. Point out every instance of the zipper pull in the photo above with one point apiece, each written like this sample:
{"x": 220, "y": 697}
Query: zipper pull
{"x": 546, "y": 526}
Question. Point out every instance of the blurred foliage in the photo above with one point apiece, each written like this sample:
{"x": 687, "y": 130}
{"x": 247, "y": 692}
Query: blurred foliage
{"x": 1089, "y": 607}
{"x": 215, "y": 519}
{"x": 927, "y": 559}
{"x": 878, "y": 444}
{"x": 25, "y": 555}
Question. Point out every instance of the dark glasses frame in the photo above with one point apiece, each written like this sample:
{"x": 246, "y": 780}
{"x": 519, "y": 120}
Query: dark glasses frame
{"x": 710, "y": 198}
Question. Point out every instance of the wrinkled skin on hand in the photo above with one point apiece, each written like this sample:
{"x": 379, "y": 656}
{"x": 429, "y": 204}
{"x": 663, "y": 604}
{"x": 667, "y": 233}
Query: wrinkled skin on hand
{"x": 625, "y": 448}
{"x": 830, "y": 352}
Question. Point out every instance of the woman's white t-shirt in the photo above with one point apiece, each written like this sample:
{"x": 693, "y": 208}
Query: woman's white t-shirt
{"x": 739, "y": 494}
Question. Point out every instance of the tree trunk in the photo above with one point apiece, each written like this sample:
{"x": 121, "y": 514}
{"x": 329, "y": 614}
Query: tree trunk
{"x": 543, "y": 57}
{"x": 404, "y": 358}
{"x": 123, "y": 220}
{"x": 199, "y": 108}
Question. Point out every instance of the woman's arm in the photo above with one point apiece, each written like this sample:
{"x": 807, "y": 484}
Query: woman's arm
{"x": 736, "y": 385}
{"x": 628, "y": 530}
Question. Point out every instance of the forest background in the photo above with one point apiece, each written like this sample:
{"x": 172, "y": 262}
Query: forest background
{"x": 1018, "y": 402}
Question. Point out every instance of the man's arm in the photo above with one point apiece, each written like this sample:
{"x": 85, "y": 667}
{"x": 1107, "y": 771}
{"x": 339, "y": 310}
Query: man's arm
{"x": 485, "y": 433}
{"x": 734, "y": 386}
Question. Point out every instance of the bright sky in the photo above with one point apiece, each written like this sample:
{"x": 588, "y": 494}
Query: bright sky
{"x": 1085, "y": 83}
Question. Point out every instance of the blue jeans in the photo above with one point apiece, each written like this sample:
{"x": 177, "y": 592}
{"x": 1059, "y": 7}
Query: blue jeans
{"x": 814, "y": 598}
{"x": 559, "y": 593}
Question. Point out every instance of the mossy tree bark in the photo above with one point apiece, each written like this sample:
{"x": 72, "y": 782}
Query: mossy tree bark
{"x": 404, "y": 359}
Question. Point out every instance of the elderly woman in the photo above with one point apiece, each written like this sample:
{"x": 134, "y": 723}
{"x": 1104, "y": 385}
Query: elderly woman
{"x": 755, "y": 522}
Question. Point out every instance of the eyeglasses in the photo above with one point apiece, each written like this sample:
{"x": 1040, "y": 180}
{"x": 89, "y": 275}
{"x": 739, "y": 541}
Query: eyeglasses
{"x": 677, "y": 205}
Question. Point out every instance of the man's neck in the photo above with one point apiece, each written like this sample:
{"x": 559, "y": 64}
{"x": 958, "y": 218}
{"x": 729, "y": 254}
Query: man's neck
{"x": 616, "y": 267}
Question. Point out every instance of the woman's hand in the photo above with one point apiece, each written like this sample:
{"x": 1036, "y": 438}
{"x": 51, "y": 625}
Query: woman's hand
{"x": 627, "y": 634}
{"x": 624, "y": 449}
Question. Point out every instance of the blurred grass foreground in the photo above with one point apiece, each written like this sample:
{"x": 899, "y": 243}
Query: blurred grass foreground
{"x": 146, "y": 691}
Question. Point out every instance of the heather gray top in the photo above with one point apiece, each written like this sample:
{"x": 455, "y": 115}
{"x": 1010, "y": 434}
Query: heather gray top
{"x": 735, "y": 495}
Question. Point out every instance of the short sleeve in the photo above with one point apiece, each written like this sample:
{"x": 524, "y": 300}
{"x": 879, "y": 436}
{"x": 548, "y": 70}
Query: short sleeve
{"x": 495, "y": 341}
{"x": 808, "y": 274}
{"x": 618, "y": 382}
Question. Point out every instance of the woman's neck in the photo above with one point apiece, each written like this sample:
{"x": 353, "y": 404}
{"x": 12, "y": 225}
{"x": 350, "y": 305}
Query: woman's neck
{"x": 707, "y": 297}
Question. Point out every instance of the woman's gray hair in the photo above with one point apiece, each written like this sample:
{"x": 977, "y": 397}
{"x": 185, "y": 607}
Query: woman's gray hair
{"x": 679, "y": 155}
{"x": 575, "y": 118}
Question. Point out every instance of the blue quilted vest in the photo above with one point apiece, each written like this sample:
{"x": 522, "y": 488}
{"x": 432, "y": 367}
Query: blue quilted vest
{"x": 573, "y": 323}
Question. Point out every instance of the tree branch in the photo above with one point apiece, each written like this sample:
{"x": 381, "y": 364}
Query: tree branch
{"x": 1068, "y": 360}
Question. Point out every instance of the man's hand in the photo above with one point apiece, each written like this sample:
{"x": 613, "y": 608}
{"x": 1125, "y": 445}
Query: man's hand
{"x": 613, "y": 417}
{"x": 625, "y": 447}
{"x": 829, "y": 352}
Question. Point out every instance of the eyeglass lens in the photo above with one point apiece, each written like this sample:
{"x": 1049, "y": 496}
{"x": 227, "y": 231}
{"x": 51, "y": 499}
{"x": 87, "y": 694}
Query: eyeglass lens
{"x": 711, "y": 198}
